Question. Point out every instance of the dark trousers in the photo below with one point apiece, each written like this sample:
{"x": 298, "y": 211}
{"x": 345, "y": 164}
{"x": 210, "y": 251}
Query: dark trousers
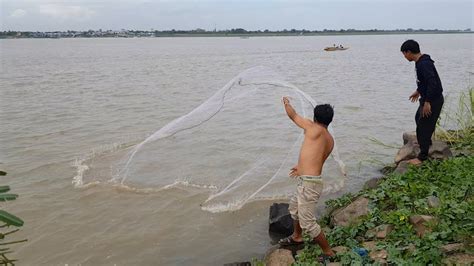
{"x": 425, "y": 126}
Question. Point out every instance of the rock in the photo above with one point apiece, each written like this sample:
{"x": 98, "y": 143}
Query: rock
{"x": 379, "y": 256}
{"x": 340, "y": 249}
{"x": 279, "y": 257}
{"x": 372, "y": 183}
{"x": 409, "y": 137}
{"x": 245, "y": 263}
{"x": 402, "y": 167}
{"x": 350, "y": 213}
{"x": 379, "y": 261}
{"x": 281, "y": 223}
{"x": 459, "y": 259}
{"x": 334, "y": 264}
{"x": 420, "y": 223}
{"x": 369, "y": 245}
{"x": 383, "y": 230}
{"x": 438, "y": 150}
{"x": 433, "y": 202}
{"x": 451, "y": 248}
{"x": 380, "y": 231}
{"x": 407, "y": 152}
{"x": 387, "y": 169}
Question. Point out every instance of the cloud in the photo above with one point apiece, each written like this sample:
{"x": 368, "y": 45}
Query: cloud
{"x": 18, "y": 13}
{"x": 66, "y": 12}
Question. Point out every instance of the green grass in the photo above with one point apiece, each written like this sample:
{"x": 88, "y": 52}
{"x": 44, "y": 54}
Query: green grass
{"x": 395, "y": 200}
{"x": 462, "y": 136}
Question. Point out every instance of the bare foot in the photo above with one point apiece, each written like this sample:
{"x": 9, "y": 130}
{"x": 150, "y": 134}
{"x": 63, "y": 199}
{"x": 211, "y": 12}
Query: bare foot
{"x": 415, "y": 161}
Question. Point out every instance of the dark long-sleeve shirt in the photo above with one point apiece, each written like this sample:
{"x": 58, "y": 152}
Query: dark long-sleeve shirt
{"x": 428, "y": 81}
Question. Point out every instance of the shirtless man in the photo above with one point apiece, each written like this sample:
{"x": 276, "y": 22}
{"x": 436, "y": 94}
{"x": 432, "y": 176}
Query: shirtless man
{"x": 317, "y": 145}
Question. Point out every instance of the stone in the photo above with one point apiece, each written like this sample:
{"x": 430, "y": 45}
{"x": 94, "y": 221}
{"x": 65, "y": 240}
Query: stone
{"x": 402, "y": 167}
{"x": 372, "y": 183}
{"x": 279, "y": 257}
{"x": 280, "y": 221}
{"x": 245, "y": 263}
{"x": 459, "y": 259}
{"x": 420, "y": 223}
{"x": 438, "y": 150}
{"x": 407, "y": 152}
{"x": 369, "y": 245}
{"x": 334, "y": 264}
{"x": 379, "y": 256}
{"x": 340, "y": 249}
{"x": 409, "y": 137}
{"x": 383, "y": 230}
{"x": 451, "y": 248}
{"x": 380, "y": 231}
{"x": 433, "y": 202}
{"x": 351, "y": 213}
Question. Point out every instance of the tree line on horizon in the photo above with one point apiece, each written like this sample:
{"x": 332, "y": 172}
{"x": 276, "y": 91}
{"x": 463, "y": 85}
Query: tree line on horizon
{"x": 198, "y": 31}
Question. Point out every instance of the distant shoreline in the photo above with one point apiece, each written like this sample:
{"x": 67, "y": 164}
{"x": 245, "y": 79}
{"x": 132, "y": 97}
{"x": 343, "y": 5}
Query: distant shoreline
{"x": 139, "y": 34}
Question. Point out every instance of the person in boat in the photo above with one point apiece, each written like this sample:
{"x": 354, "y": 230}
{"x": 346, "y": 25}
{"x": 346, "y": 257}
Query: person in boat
{"x": 430, "y": 94}
{"x": 317, "y": 146}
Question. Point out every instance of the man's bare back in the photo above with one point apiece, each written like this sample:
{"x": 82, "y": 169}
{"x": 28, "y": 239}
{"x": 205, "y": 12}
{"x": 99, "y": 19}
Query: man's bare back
{"x": 317, "y": 146}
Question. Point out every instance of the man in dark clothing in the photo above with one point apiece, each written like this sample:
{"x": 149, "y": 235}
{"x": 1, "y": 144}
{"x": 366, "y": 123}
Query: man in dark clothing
{"x": 430, "y": 93}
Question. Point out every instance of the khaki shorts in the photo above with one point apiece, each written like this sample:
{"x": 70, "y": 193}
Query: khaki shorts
{"x": 303, "y": 204}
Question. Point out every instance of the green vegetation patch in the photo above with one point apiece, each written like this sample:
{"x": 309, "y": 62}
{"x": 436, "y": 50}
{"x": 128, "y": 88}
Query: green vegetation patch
{"x": 396, "y": 199}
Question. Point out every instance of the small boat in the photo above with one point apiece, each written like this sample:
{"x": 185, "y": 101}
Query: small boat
{"x": 335, "y": 48}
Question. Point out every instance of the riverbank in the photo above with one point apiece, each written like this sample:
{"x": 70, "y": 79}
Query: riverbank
{"x": 424, "y": 216}
{"x": 410, "y": 216}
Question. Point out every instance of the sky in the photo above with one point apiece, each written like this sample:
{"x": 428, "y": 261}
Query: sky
{"x": 51, "y": 15}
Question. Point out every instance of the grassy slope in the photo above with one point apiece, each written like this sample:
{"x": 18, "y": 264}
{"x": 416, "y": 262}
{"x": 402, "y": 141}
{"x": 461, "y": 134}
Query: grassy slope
{"x": 399, "y": 196}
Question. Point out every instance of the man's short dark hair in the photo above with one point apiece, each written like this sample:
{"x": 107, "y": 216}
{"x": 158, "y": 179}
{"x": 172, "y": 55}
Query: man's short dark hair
{"x": 323, "y": 114}
{"x": 411, "y": 46}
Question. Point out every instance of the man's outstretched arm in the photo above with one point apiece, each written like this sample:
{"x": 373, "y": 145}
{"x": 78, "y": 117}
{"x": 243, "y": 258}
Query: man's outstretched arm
{"x": 290, "y": 111}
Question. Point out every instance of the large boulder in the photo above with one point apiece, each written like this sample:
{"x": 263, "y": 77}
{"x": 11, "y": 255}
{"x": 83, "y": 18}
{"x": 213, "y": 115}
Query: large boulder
{"x": 279, "y": 257}
{"x": 438, "y": 150}
{"x": 351, "y": 213}
{"x": 280, "y": 221}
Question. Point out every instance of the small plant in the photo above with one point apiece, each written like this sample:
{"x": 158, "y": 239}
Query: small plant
{"x": 8, "y": 220}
